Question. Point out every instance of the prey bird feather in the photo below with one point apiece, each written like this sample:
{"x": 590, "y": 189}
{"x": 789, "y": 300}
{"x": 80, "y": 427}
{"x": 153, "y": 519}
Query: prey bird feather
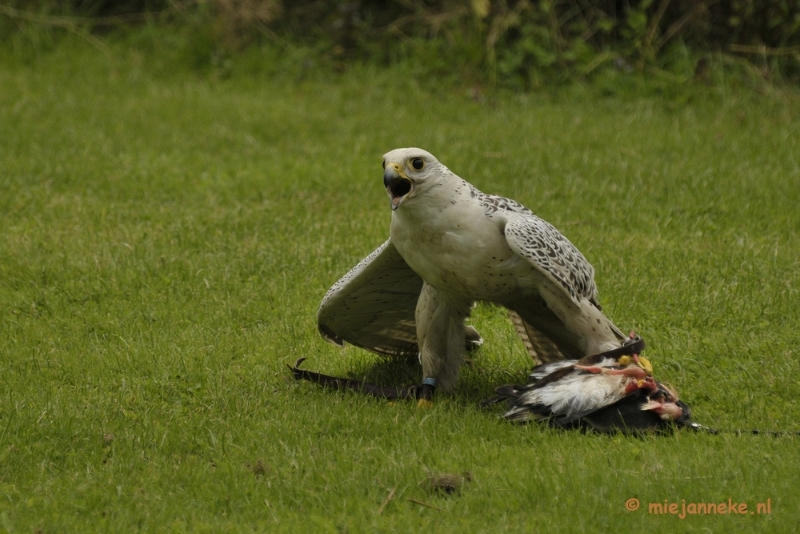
{"x": 607, "y": 392}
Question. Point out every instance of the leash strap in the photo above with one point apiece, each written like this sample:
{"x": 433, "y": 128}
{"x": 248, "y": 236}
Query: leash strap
{"x": 424, "y": 391}
{"x": 635, "y": 345}
{"x": 702, "y": 428}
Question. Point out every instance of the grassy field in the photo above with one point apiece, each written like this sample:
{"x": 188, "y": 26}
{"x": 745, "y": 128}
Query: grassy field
{"x": 165, "y": 240}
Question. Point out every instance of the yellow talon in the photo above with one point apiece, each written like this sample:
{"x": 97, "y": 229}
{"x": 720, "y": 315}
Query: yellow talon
{"x": 424, "y": 403}
{"x": 645, "y": 364}
{"x": 625, "y": 361}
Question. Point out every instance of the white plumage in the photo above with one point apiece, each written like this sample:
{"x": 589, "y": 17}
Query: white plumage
{"x": 451, "y": 245}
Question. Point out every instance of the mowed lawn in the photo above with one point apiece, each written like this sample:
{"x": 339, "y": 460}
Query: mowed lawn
{"x": 165, "y": 240}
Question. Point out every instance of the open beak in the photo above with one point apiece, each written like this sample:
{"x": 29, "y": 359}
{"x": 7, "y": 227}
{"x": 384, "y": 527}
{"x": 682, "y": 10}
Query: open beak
{"x": 398, "y": 185}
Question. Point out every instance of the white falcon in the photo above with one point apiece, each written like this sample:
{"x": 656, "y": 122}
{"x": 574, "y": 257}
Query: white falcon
{"x": 451, "y": 245}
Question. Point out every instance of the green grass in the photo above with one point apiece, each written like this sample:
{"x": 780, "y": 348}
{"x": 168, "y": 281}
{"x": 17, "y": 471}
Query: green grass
{"x": 165, "y": 241}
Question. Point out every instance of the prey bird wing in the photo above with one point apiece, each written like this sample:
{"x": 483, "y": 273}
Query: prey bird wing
{"x": 372, "y": 306}
{"x": 607, "y": 392}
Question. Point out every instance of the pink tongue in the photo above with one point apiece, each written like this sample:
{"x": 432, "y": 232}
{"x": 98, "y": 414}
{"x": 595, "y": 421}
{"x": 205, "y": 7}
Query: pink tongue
{"x": 396, "y": 201}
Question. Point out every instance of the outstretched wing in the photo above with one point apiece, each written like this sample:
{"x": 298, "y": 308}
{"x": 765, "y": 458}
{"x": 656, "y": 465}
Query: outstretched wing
{"x": 373, "y": 305}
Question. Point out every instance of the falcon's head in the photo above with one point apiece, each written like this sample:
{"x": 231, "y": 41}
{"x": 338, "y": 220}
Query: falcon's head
{"x": 407, "y": 171}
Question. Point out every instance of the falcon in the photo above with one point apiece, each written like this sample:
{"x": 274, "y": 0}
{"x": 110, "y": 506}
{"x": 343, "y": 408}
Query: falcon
{"x": 451, "y": 246}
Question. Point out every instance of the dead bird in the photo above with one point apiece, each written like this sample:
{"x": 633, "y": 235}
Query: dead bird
{"x": 607, "y": 392}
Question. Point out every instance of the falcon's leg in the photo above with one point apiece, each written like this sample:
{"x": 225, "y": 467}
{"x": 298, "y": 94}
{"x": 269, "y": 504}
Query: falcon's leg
{"x": 440, "y": 333}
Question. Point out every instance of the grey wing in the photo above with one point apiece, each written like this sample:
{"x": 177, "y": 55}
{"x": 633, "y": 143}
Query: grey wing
{"x": 553, "y": 255}
{"x": 373, "y": 305}
{"x": 543, "y": 245}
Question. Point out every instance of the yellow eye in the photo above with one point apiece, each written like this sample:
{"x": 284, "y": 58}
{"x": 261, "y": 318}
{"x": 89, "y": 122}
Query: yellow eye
{"x": 418, "y": 164}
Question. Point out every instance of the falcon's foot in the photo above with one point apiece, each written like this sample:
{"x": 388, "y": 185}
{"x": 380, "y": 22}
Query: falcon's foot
{"x": 424, "y": 393}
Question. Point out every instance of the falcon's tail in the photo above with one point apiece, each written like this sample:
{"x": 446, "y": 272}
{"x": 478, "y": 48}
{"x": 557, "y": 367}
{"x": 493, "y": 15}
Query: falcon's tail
{"x": 539, "y": 346}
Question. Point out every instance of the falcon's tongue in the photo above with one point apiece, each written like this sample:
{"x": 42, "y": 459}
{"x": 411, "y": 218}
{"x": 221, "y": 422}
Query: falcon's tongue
{"x": 397, "y": 188}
